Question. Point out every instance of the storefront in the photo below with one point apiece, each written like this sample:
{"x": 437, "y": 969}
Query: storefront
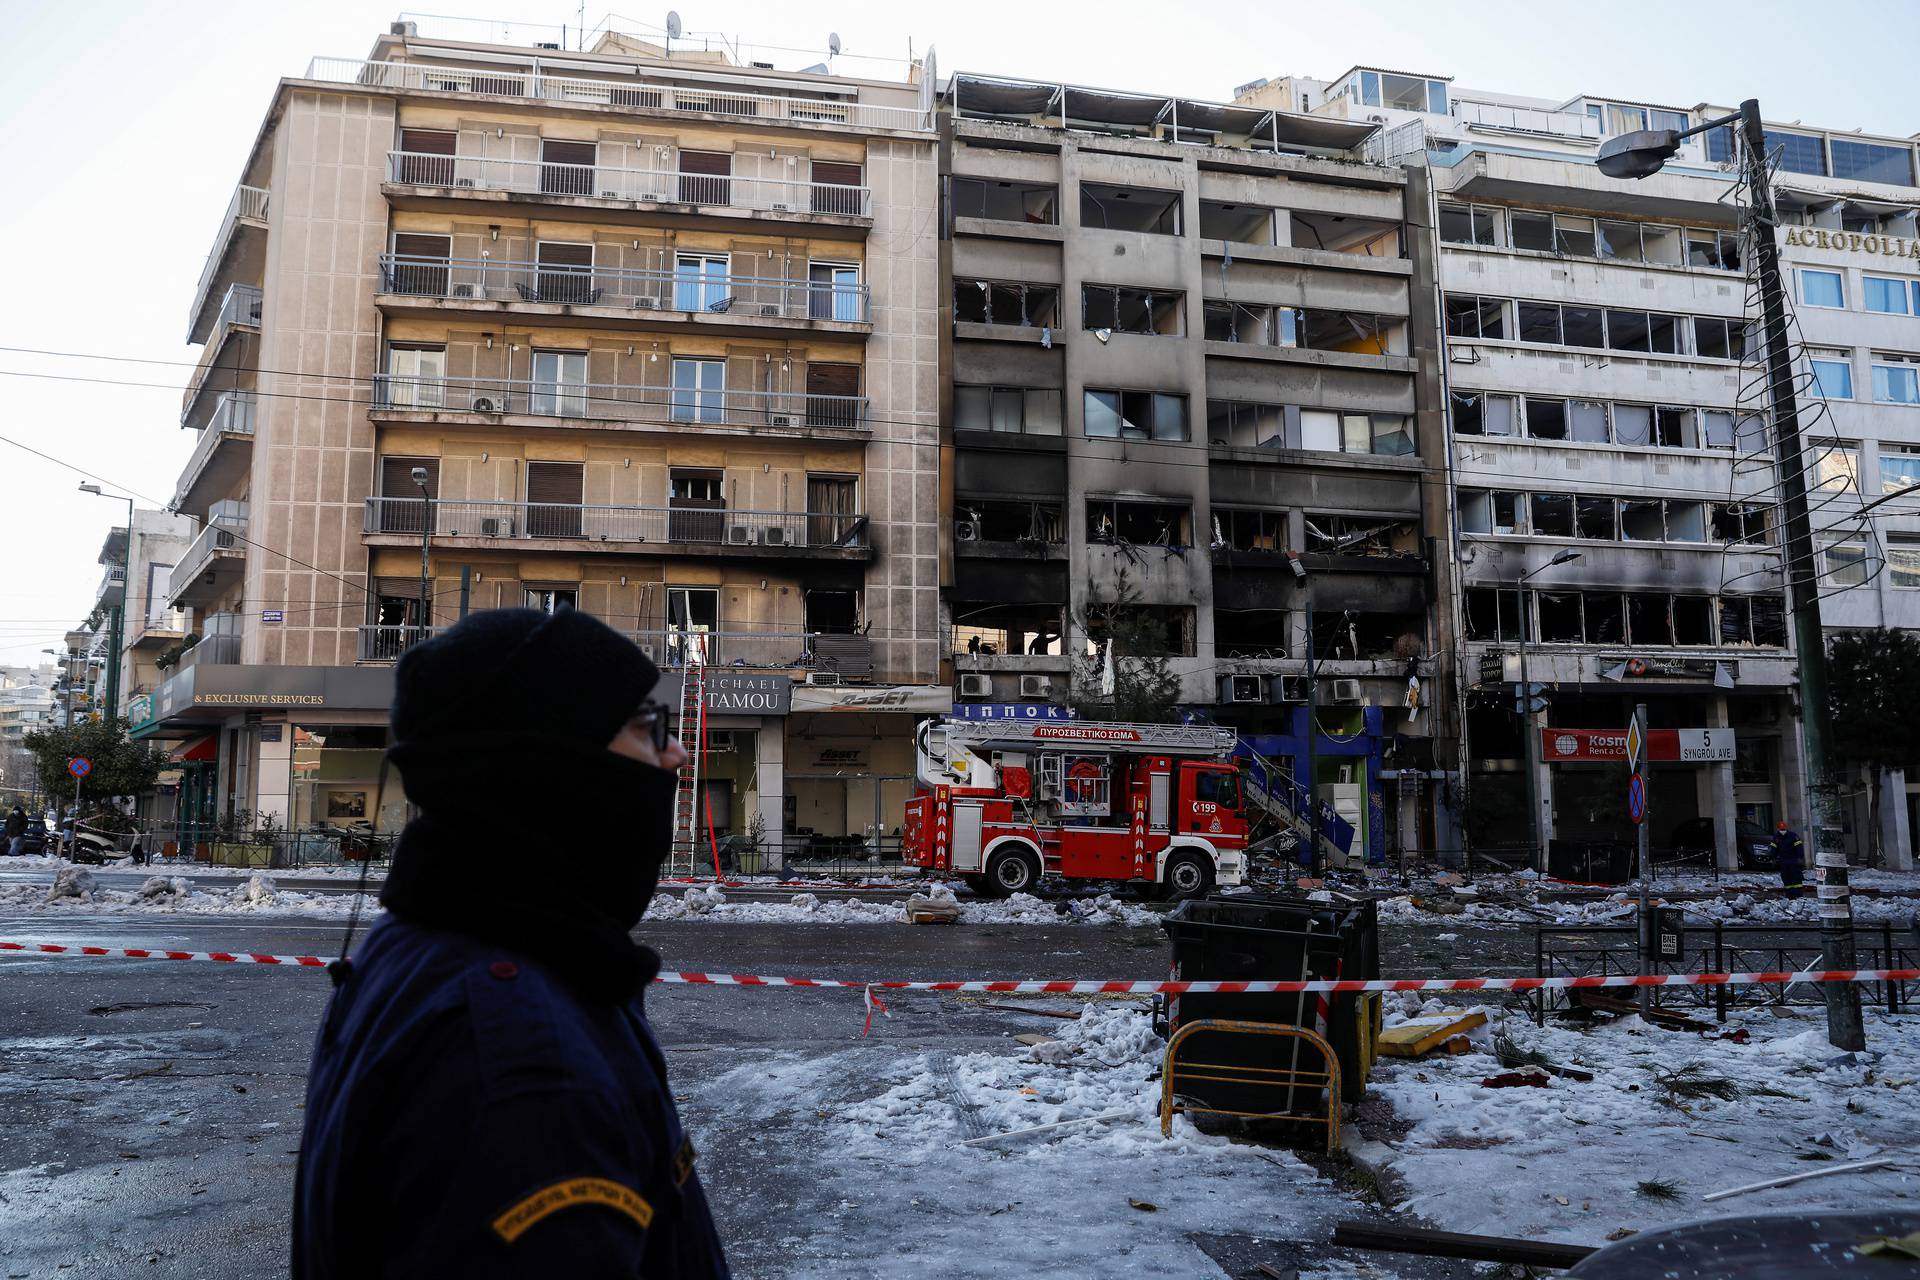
{"x": 849, "y": 771}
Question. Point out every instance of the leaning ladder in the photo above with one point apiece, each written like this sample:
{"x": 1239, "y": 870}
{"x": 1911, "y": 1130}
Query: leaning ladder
{"x": 693, "y": 737}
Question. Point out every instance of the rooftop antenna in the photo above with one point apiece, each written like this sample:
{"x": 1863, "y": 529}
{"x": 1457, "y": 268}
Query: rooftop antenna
{"x": 673, "y": 29}
{"x": 833, "y": 46}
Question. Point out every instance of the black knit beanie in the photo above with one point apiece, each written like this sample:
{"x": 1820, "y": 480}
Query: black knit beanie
{"x": 566, "y": 675}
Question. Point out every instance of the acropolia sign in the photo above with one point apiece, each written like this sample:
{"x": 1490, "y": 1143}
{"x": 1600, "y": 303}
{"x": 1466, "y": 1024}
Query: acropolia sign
{"x": 1853, "y": 242}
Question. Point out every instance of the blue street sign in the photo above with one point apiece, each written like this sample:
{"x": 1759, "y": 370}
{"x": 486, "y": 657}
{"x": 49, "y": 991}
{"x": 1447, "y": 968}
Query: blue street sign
{"x": 1010, "y": 711}
{"x": 273, "y": 615}
{"x": 1636, "y": 799}
{"x": 79, "y": 766}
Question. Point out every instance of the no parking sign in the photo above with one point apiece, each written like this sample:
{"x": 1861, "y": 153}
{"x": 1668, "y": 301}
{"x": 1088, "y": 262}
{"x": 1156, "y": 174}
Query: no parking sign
{"x": 79, "y": 766}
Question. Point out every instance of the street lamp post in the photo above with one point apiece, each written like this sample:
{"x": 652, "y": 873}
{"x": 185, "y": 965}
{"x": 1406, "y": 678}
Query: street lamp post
{"x": 118, "y": 612}
{"x": 1640, "y": 155}
{"x": 425, "y": 612}
{"x": 1530, "y": 737}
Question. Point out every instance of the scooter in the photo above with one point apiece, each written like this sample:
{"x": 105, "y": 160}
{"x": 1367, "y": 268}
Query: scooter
{"x": 98, "y": 847}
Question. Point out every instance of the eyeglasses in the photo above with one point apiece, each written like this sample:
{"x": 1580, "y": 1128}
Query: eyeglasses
{"x": 653, "y": 720}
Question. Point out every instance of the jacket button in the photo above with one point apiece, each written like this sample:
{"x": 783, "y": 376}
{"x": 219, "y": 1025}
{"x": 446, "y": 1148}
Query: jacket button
{"x": 504, "y": 969}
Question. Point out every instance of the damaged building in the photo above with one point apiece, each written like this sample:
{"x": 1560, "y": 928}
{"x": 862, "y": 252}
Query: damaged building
{"x": 1614, "y": 499}
{"x": 1193, "y": 378}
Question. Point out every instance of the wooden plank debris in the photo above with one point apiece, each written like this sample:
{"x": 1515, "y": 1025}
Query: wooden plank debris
{"x": 1453, "y": 1244}
{"x": 1417, "y": 1037}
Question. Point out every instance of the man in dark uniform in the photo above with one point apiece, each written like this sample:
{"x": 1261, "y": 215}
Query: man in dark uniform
{"x": 486, "y": 1098}
{"x": 1790, "y": 855}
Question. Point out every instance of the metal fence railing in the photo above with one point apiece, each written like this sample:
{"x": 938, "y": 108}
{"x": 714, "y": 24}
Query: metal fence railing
{"x": 221, "y": 534}
{"x": 249, "y": 204}
{"x": 768, "y": 650}
{"x": 638, "y": 93}
{"x": 384, "y": 643}
{"x": 617, "y": 182}
{"x": 585, "y": 285}
{"x": 232, "y": 415}
{"x": 595, "y": 523}
{"x": 620, "y": 402}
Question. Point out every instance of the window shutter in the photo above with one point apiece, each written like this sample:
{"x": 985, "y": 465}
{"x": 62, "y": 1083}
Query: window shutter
{"x": 396, "y": 477}
{"x": 557, "y": 482}
{"x": 745, "y": 375}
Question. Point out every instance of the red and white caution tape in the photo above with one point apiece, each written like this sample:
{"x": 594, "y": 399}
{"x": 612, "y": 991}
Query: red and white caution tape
{"x": 1330, "y": 986}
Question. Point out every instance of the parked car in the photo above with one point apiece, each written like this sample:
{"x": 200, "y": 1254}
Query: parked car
{"x": 1752, "y": 843}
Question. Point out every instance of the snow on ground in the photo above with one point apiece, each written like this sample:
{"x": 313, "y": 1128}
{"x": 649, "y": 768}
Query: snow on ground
{"x": 1733, "y": 907}
{"x": 1565, "y": 1162}
{"x": 77, "y": 891}
{"x": 710, "y": 903}
{"x": 1108, "y": 1198}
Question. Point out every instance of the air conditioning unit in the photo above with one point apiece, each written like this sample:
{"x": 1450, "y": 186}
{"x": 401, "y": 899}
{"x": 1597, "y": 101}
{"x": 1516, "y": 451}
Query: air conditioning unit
{"x": 1243, "y": 689}
{"x": 486, "y": 404}
{"x": 781, "y": 208}
{"x": 769, "y": 309}
{"x": 976, "y": 685}
{"x": 740, "y": 535}
{"x": 967, "y": 531}
{"x": 463, "y": 182}
{"x": 782, "y": 419}
{"x": 646, "y": 304}
{"x": 496, "y": 527}
{"x": 1293, "y": 688}
{"x": 1346, "y": 691}
{"x": 823, "y": 677}
{"x": 776, "y": 537}
{"x": 609, "y": 195}
{"x": 1036, "y": 686}
{"x": 468, "y": 291}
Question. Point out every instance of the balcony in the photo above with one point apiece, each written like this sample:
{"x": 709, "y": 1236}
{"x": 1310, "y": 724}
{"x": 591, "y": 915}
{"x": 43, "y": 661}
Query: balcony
{"x": 213, "y": 560}
{"x": 385, "y": 643}
{"x": 159, "y": 630}
{"x": 113, "y": 587}
{"x": 720, "y": 301}
{"x": 231, "y": 342}
{"x": 764, "y": 650}
{"x": 219, "y": 643}
{"x": 221, "y": 455}
{"x": 704, "y": 531}
{"x": 239, "y": 253}
{"x": 1492, "y": 117}
{"x": 794, "y": 411}
{"x": 636, "y": 94}
{"x": 479, "y": 176}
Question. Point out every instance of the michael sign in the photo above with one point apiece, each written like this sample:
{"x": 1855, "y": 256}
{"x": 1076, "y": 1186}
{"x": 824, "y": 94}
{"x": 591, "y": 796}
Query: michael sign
{"x": 1853, "y": 242}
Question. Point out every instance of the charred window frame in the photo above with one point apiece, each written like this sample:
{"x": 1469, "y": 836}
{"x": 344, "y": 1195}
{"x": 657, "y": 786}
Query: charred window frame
{"x": 1493, "y": 613}
{"x": 1329, "y": 533}
{"x": 1250, "y": 529}
{"x": 1134, "y": 415}
{"x": 1117, "y": 521}
{"x": 1251, "y": 633}
{"x": 1471, "y": 316}
{"x": 1007, "y": 302}
{"x": 1239, "y": 322}
{"x": 1123, "y": 309}
{"x": 1358, "y": 634}
{"x": 984, "y": 627}
{"x": 1246, "y": 424}
{"x": 978, "y": 519}
{"x": 1106, "y": 206}
{"x": 1175, "y": 621}
{"x": 1002, "y": 201}
{"x": 1033, "y": 411}
{"x": 1341, "y": 233}
{"x": 1493, "y": 511}
{"x": 1740, "y": 523}
{"x": 1756, "y": 621}
{"x": 1546, "y": 419}
{"x": 1484, "y": 413}
{"x": 1239, "y": 223}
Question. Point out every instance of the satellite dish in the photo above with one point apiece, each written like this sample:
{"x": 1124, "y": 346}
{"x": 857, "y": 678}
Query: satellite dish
{"x": 674, "y": 29}
{"x": 833, "y": 43}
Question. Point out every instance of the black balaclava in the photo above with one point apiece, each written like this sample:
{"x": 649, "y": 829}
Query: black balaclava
{"x": 531, "y": 834}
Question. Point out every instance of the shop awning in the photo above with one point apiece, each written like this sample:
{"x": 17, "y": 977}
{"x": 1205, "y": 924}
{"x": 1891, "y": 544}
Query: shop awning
{"x": 206, "y": 747}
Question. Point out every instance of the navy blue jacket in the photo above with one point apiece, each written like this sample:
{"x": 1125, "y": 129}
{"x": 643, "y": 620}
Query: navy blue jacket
{"x": 468, "y": 1115}
{"x": 1789, "y": 851}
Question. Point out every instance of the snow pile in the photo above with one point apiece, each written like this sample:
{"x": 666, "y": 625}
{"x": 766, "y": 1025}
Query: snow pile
{"x": 1616, "y": 908}
{"x": 1695, "y": 1112}
{"x": 258, "y": 891}
{"x": 162, "y": 887}
{"x": 710, "y": 903}
{"x": 73, "y": 883}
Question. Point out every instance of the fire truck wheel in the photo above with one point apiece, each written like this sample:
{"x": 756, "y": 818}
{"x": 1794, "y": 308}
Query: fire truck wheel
{"x": 1189, "y": 875}
{"x": 1013, "y": 869}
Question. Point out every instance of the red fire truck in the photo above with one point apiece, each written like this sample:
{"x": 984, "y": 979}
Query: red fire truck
{"x": 1003, "y": 803}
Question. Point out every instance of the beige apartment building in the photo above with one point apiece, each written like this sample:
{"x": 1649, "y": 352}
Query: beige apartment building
{"x": 650, "y": 336}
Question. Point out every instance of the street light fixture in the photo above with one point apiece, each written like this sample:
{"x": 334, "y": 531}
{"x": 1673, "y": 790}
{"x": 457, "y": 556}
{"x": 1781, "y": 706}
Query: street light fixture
{"x": 425, "y": 613}
{"x": 119, "y": 610}
{"x": 1640, "y": 155}
{"x": 1529, "y": 737}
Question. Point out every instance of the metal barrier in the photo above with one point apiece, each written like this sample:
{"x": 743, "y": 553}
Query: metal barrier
{"x": 1325, "y": 1082}
{"x": 248, "y": 204}
{"x": 380, "y": 643}
{"x": 588, "y": 285}
{"x": 596, "y": 523}
{"x": 621, "y": 402}
{"x": 617, "y": 182}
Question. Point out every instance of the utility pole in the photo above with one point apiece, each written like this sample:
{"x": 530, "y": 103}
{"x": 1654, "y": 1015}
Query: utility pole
{"x": 1646, "y": 860}
{"x": 1844, "y": 1027}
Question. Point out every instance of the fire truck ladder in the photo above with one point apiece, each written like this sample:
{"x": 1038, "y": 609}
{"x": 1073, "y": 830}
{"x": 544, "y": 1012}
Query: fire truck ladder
{"x": 1272, "y": 786}
{"x": 685, "y": 852}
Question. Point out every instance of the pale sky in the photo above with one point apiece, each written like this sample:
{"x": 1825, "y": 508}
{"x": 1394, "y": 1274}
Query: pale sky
{"x": 123, "y": 128}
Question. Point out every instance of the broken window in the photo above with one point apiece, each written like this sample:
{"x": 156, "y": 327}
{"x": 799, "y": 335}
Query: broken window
{"x": 1240, "y": 223}
{"x": 1481, "y": 413}
{"x": 1670, "y": 426}
{"x": 1739, "y": 522}
{"x": 1004, "y": 302}
{"x": 1627, "y": 331}
{"x": 1330, "y": 534}
{"x": 1693, "y": 620}
{"x": 1619, "y": 241}
{"x": 1606, "y": 617}
{"x": 1238, "y": 322}
{"x": 1552, "y": 515}
{"x": 1474, "y": 317}
{"x": 1354, "y": 634}
{"x": 1532, "y": 230}
{"x": 1650, "y": 618}
{"x": 1717, "y": 249}
{"x": 1141, "y": 630}
{"x": 1492, "y": 613}
{"x": 1134, "y": 415}
{"x": 1467, "y": 224}
{"x": 1643, "y": 520}
{"x": 1538, "y": 322}
{"x": 1004, "y": 201}
{"x": 1250, "y": 633}
{"x": 1686, "y": 521}
{"x": 1489, "y": 511}
{"x": 1583, "y": 327}
{"x": 982, "y": 627}
{"x": 1392, "y": 434}
{"x": 1844, "y": 564}
{"x": 1716, "y": 425}
{"x": 1033, "y": 411}
{"x": 1246, "y": 530}
{"x": 1114, "y": 208}
{"x": 1587, "y": 421}
{"x": 1596, "y": 519}
{"x": 1152, "y": 524}
{"x": 1718, "y": 338}
{"x": 1770, "y": 620}
{"x": 1319, "y": 430}
{"x": 1246, "y": 425}
{"x": 1573, "y": 236}
{"x": 1632, "y": 424}
{"x": 1356, "y": 331}
{"x": 1127, "y": 310}
{"x": 1007, "y": 520}
{"x": 1663, "y": 245}
{"x": 1546, "y": 419}
{"x": 1338, "y": 233}
{"x": 1560, "y": 621}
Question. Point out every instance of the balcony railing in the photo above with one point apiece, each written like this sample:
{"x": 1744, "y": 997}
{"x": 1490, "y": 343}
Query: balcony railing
{"x": 753, "y": 297}
{"x": 614, "y": 182}
{"x": 222, "y": 533}
{"x": 383, "y": 643}
{"x": 219, "y": 643}
{"x": 620, "y": 403}
{"x": 1558, "y": 124}
{"x": 685, "y": 526}
{"x": 763, "y": 650}
{"x": 249, "y": 204}
{"x": 638, "y": 94}
{"x": 113, "y": 585}
{"x": 232, "y": 415}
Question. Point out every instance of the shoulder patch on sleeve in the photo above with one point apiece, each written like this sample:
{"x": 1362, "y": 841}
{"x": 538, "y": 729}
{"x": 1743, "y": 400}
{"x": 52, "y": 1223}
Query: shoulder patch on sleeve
{"x": 569, "y": 1194}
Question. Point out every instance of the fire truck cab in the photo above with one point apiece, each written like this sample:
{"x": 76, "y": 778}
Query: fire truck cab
{"x": 1003, "y": 804}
